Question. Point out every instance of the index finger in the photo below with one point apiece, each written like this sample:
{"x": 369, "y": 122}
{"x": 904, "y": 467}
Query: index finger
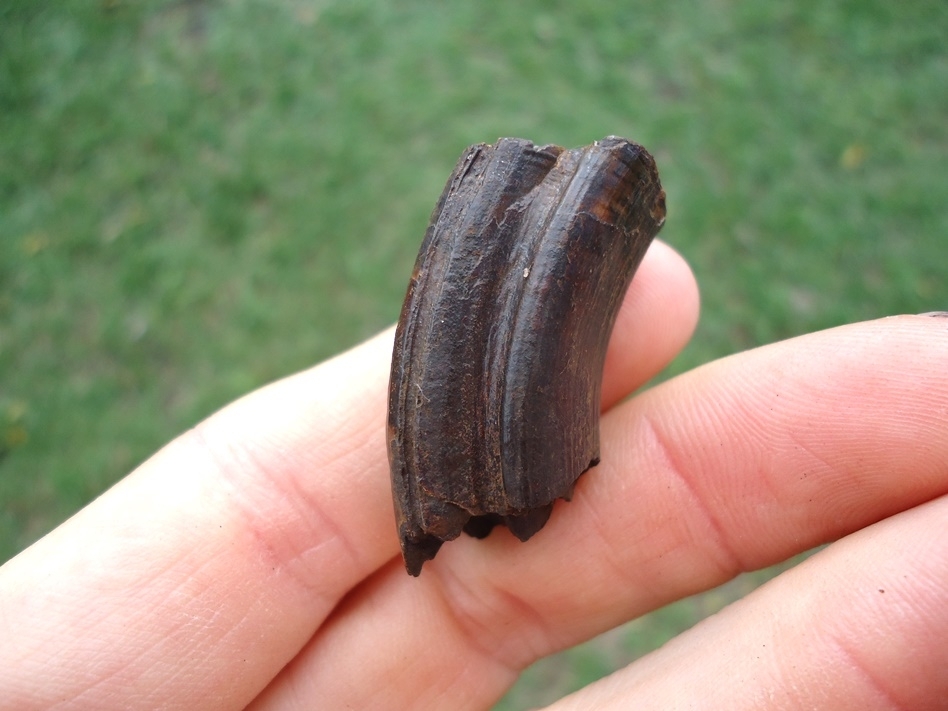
{"x": 197, "y": 578}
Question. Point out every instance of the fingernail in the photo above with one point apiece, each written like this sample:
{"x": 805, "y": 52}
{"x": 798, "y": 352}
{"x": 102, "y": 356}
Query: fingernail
{"x": 935, "y": 314}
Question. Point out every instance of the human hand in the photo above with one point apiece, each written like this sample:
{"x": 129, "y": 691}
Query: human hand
{"x": 254, "y": 560}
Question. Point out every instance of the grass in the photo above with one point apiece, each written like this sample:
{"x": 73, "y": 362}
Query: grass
{"x": 198, "y": 197}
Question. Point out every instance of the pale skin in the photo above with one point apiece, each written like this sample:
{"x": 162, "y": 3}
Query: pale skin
{"x": 253, "y": 562}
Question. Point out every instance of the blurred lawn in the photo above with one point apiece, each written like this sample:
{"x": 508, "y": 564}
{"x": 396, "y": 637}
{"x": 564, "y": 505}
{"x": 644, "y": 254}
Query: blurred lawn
{"x": 197, "y": 197}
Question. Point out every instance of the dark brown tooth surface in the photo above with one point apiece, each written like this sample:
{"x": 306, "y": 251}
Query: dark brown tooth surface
{"x": 497, "y": 367}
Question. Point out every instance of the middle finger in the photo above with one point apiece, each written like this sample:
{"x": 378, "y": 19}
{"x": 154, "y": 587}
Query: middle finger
{"x": 734, "y": 467}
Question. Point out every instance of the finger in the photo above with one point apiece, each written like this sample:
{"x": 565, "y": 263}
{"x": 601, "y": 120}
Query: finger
{"x": 656, "y": 320}
{"x": 240, "y": 536}
{"x": 197, "y": 577}
{"x": 731, "y": 467}
{"x": 861, "y": 625}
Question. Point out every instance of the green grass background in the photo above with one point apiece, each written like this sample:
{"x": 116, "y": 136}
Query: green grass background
{"x": 198, "y": 197}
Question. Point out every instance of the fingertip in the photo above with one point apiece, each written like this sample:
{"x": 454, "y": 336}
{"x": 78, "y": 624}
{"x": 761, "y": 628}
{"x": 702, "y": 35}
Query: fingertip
{"x": 656, "y": 320}
{"x": 672, "y": 288}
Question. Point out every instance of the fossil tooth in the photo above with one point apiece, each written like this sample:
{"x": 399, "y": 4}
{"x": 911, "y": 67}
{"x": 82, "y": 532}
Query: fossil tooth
{"x": 497, "y": 366}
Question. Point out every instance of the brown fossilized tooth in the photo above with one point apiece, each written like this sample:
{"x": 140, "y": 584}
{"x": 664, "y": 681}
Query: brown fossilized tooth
{"x": 497, "y": 367}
